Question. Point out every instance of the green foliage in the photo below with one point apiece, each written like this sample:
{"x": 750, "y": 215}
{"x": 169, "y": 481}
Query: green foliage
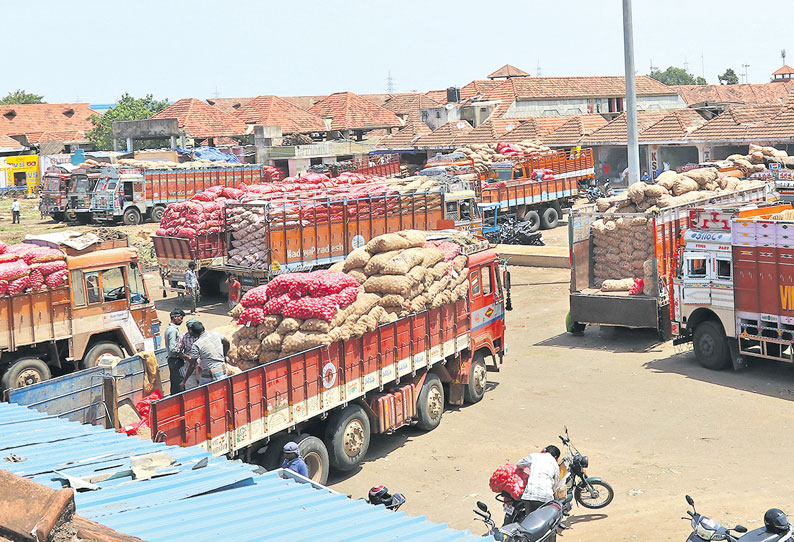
{"x": 19, "y": 96}
{"x": 676, "y": 76}
{"x": 728, "y": 78}
{"x": 127, "y": 108}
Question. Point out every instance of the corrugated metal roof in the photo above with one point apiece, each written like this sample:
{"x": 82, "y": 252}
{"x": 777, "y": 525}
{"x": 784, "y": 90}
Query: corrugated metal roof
{"x": 224, "y": 499}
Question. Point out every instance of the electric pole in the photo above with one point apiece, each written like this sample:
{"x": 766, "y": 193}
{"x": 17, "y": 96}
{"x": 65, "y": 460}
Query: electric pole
{"x": 631, "y": 95}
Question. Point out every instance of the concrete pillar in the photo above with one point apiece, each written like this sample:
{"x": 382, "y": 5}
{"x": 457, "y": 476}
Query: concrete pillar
{"x": 129, "y": 144}
{"x": 115, "y": 144}
{"x": 173, "y": 142}
{"x": 182, "y": 141}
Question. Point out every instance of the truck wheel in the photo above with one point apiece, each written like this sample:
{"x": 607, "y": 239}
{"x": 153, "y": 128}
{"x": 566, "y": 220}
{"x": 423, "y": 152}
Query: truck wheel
{"x": 273, "y": 455}
{"x": 478, "y": 375}
{"x": 711, "y": 346}
{"x": 533, "y": 218}
{"x": 314, "y": 452}
{"x": 576, "y": 328}
{"x": 57, "y": 217}
{"x": 84, "y": 218}
{"x": 430, "y": 405}
{"x": 25, "y": 372}
{"x": 98, "y": 350}
{"x": 157, "y": 213}
{"x": 347, "y": 437}
{"x": 550, "y": 218}
{"x": 132, "y": 216}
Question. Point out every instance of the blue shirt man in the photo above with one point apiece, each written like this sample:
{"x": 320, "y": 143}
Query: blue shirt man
{"x": 293, "y": 460}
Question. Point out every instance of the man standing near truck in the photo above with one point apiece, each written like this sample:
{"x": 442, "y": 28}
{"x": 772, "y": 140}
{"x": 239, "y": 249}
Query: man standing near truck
{"x": 293, "y": 460}
{"x": 234, "y": 291}
{"x": 192, "y": 285}
{"x": 15, "y": 210}
{"x": 209, "y": 352}
{"x": 175, "y": 361}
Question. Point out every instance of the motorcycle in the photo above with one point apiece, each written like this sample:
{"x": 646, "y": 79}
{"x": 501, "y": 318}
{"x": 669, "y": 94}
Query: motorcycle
{"x": 776, "y": 528}
{"x": 380, "y": 495}
{"x": 542, "y": 525}
{"x": 589, "y": 492}
{"x": 595, "y": 191}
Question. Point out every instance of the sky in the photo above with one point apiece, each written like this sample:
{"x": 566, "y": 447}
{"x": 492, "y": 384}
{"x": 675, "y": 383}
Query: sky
{"x": 93, "y": 51}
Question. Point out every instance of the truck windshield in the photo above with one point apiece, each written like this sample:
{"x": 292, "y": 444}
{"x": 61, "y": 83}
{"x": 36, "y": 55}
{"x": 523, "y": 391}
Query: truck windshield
{"x": 113, "y": 284}
{"x": 137, "y": 288}
{"x": 80, "y": 186}
{"x": 52, "y": 184}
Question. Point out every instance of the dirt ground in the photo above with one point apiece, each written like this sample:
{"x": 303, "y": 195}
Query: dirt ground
{"x": 654, "y": 424}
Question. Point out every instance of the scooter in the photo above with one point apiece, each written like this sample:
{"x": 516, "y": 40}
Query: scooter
{"x": 542, "y": 525}
{"x": 776, "y": 528}
{"x": 380, "y": 495}
{"x": 589, "y": 492}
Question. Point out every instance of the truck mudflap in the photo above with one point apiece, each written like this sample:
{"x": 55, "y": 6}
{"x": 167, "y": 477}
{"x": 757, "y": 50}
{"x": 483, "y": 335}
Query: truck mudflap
{"x": 617, "y": 310}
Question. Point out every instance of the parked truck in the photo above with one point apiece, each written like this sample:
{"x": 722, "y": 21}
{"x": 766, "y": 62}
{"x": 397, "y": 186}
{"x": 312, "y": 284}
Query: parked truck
{"x": 104, "y": 308}
{"x": 590, "y": 305}
{"x": 78, "y": 194}
{"x": 304, "y": 234}
{"x": 54, "y": 188}
{"x": 132, "y": 195}
{"x": 330, "y": 400}
{"x": 733, "y": 291}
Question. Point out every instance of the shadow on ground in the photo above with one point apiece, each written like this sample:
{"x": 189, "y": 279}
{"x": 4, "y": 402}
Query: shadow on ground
{"x": 609, "y": 338}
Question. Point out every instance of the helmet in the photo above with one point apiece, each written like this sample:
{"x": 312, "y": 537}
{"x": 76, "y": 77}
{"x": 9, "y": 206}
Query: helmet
{"x": 379, "y": 495}
{"x": 775, "y": 521}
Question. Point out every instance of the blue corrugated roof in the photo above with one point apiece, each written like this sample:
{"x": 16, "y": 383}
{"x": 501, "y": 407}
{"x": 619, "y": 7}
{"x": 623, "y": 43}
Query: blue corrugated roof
{"x": 224, "y": 500}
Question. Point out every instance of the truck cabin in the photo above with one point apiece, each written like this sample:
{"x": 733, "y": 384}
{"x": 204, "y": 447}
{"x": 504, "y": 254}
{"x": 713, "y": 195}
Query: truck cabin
{"x": 116, "y": 282}
{"x": 55, "y": 186}
{"x": 115, "y": 187}
{"x": 81, "y": 187}
{"x": 461, "y": 207}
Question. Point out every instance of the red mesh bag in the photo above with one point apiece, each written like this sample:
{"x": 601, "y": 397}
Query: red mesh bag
{"x": 3, "y": 287}
{"x": 9, "y": 257}
{"x": 36, "y": 279}
{"x": 346, "y": 296}
{"x": 330, "y": 282}
{"x": 56, "y": 279}
{"x": 251, "y": 315}
{"x": 13, "y": 270}
{"x": 16, "y": 286}
{"x": 256, "y": 297}
{"x": 49, "y": 267}
{"x": 275, "y": 305}
{"x": 43, "y": 255}
{"x": 279, "y": 285}
{"x": 188, "y": 233}
{"x": 204, "y": 196}
{"x": 509, "y": 478}
{"x": 161, "y": 231}
{"x": 21, "y": 248}
{"x": 322, "y": 308}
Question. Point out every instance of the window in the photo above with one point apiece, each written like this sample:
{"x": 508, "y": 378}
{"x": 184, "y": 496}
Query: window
{"x": 486, "y": 281}
{"x": 438, "y": 114}
{"x": 474, "y": 280}
{"x": 452, "y": 210}
{"x": 78, "y": 288}
{"x": 696, "y": 267}
{"x": 425, "y": 116}
{"x": 113, "y": 287}
{"x": 723, "y": 269}
{"x": 92, "y": 287}
{"x": 137, "y": 289}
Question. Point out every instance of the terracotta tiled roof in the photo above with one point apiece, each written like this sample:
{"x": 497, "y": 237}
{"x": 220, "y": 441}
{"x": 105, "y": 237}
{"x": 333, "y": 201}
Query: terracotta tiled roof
{"x": 675, "y": 126}
{"x": 749, "y": 94}
{"x": 405, "y": 137}
{"x": 490, "y": 131}
{"x": 439, "y": 96}
{"x": 23, "y": 119}
{"x": 444, "y": 136}
{"x": 228, "y": 105}
{"x": 6, "y": 142}
{"x": 784, "y": 70}
{"x": 478, "y": 87}
{"x": 380, "y": 99}
{"x": 616, "y": 130}
{"x": 748, "y": 123}
{"x": 534, "y": 127}
{"x": 507, "y": 71}
{"x": 63, "y": 135}
{"x": 200, "y": 119}
{"x": 274, "y": 111}
{"x": 350, "y": 111}
{"x": 538, "y": 88}
{"x": 221, "y": 142}
{"x": 410, "y": 105}
{"x": 572, "y": 132}
{"x": 304, "y": 102}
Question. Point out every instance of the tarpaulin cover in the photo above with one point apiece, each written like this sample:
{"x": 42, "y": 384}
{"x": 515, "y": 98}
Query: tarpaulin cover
{"x": 210, "y": 153}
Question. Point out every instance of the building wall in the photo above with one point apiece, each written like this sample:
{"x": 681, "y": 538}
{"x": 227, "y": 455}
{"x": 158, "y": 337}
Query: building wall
{"x": 440, "y": 116}
{"x": 579, "y": 106}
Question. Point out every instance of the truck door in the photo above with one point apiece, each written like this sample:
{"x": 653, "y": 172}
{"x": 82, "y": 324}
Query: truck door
{"x": 143, "y": 313}
{"x": 486, "y": 313}
{"x": 697, "y": 279}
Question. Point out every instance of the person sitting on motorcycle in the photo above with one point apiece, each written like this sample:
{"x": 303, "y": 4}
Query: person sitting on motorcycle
{"x": 544, "y": 473}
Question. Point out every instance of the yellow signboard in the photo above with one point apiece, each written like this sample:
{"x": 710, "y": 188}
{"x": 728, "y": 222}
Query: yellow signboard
{"x": 23, "y": 171}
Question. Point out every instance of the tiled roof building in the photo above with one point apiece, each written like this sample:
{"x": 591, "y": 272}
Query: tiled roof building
{"x": 61, "y": 122}
{"x": 275, "y": 111}
{"x": 202, "y": 120}
{"x": 507, "y": 71}
{"x": 349, "y": 111}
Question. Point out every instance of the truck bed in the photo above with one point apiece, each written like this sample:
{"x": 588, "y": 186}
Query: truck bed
{"x": 592, "y": 306}
{"x": 35, "y": 317}
{"x": 232, "y": 413}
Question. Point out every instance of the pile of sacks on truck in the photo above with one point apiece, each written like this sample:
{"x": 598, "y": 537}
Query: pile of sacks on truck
{"x": 624, "y": 237}
{"x": 394, "y": 275}
{"x": 484, "y": 155}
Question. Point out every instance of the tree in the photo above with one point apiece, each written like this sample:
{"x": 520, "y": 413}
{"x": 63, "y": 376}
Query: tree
{"x": 19, "y": 96}
{"x": 676, "y": 76}
{"x": 728, "y": 78}
{"x": 127, "y": 108}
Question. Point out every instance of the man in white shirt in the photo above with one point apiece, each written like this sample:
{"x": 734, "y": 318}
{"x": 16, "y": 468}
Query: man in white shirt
{"x": 544, "y": 473}
{"x": 15, "y": 208}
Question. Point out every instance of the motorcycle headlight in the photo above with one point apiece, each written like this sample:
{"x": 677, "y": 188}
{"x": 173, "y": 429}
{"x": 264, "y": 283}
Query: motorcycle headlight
{"x": 585, "y": 462}
{"x": 706, "y": 529}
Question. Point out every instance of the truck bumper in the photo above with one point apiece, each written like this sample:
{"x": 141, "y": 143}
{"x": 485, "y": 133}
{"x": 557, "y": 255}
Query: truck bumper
{"x": 620, "y": 310}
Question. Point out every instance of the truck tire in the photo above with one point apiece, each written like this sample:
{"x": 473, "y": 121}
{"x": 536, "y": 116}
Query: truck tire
{"x": 25, "y": 372}
{"x": 272, "y": 457}
{"x": 478, "y": 375}
{"x": 550, "y": 218}
{"x": 157, "y": 213}
{"x": 132, "y": 216}
{"x": 533, "y": 218}
{"x": 711, "y": 346}
{"x": 430, "y": 404}
{"x": 347, "y": 436}
{"x": 57, "y": 217}
{"x": 314, "y": 452}
{"x": 98, "y": 350}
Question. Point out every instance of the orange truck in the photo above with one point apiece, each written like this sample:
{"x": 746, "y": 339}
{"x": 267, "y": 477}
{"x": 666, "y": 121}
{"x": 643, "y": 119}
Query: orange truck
{"x": 104, "y": 308}
{"x": 303, "y": 234}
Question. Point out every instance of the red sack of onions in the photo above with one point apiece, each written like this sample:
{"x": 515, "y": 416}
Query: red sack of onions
{"x": 36, "y": 279}
{"x": 56, "y": 279}
{"x": 251, "y": 316}
{"x": 16, "y": 286}
{"x": 274, "y": 305}
{"x": 322, "y": 308}
{"x": 13, "y": 270}
{"x": 330, "y": 282}
{"x": 255, "y": 297}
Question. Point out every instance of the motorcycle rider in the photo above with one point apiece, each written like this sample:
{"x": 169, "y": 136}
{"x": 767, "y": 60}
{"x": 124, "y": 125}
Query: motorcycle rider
{"x": 544, "y": 473}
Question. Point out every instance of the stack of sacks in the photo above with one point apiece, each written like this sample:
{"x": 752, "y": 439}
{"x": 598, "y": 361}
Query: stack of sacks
{"x": 409, "y": 273}
{"x": 672, "y": 189}
{"x": 484, "y": 155}
{"x": 622, "y": 246}
{"x": 26, "y": 266}
{"x": 200, "y": 215}
{"x": 272, "y": 174}
{"x": 755, "y": 161}
{"x": 299, "y": 311}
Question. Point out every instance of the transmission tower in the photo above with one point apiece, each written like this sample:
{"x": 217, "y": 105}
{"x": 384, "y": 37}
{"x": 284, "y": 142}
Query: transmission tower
{"x": 389, "y": 84}
{"x": 538, "y": 71}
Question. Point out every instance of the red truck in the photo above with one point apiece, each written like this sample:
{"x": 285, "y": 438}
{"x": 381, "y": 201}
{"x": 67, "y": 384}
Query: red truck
{"x": 733, "y": 294}
{"x": 331, "y": 399}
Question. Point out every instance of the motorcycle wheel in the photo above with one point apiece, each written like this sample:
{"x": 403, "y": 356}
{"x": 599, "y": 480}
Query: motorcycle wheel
{"x": 600, "y": 497}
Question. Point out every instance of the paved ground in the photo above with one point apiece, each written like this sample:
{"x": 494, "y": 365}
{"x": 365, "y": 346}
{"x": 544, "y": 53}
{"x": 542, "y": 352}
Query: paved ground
{"x": 654, "y": 424}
